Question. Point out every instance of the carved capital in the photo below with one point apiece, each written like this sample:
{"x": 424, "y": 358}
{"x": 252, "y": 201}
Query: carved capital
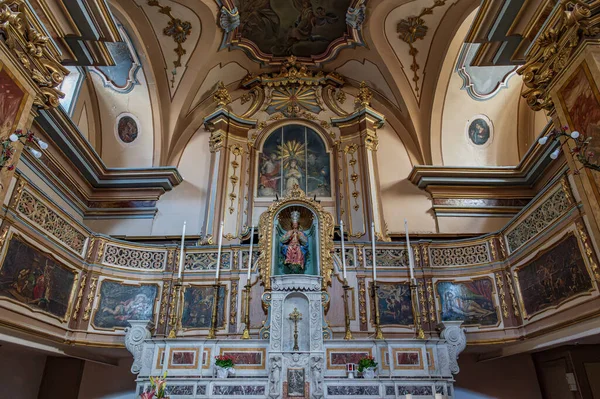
{"x": 456, "y": 340}
{"x": 135, "y": 336}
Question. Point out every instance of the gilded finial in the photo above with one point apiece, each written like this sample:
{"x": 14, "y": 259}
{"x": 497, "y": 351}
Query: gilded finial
{"x": 364, "y": 95}
{"x": 221, "y": 95}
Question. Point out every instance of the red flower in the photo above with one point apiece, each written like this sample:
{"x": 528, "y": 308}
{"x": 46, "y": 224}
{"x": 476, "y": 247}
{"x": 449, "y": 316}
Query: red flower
{"x": 11, "y": 167}
{"x": 147, "y": 395}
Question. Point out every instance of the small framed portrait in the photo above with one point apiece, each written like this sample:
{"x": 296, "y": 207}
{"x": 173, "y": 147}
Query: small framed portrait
{"x": 479, "y": 131}
{"x": 127, "y": 128}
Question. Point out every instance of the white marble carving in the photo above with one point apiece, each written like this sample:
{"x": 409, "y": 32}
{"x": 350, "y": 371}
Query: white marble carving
{"x": 296, "y": 282}
{"x": 135, "y": 336}
{"x": 456, "y": 340}
{"x": 316, "y": 375}
{"x": 275, "y": 377}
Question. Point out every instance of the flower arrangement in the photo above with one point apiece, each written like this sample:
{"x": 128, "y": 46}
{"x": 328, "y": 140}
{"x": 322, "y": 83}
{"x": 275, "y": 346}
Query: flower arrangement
{"x": 366, "y": 362}
{"x": 579, "y": 150}
{"x": 224, "y": 361}
{"x": 7, "y": 149}
{"x": 157, "y": 387}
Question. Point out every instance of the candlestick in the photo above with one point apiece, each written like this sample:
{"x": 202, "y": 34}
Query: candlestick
{"x": 373, "y": 251}
{"x": 219, "y": 251}
{"x": 343, "y": 249}
{"x": 212, "y": 333}
{"x": 250, "y": 253}
{"x": 378, "y": 332}
{"x": 409, "y": 396}
{"x": 438, "y": 396}
{"x": 181, "y": 252}
{"x": 411, "y": 262}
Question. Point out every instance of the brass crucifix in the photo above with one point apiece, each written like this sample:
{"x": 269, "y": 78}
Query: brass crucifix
{"x": 295, "y": 316}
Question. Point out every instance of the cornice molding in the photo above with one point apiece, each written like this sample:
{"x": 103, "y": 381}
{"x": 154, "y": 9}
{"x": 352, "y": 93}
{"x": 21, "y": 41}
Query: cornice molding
{"x": 66, "y": 136}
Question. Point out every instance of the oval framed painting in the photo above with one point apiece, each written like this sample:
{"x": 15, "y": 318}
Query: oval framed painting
{"x": 127, "y": 128}
{"x": 479, "y": 131}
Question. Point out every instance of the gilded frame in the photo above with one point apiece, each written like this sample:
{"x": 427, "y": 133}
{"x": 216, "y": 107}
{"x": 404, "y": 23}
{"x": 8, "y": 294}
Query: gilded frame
{"x": 438, "y": 300}
{"x": 76, "y": 274}
{"x": 541, "y": 252}
{"x": 262, "y": 351}
{"x": 265, "y": 231}
{"x": 371, "y": 304}
{"x": 98, "y": 298}
{"x": 225, "y": 304}
{"x": 4, "y": 67}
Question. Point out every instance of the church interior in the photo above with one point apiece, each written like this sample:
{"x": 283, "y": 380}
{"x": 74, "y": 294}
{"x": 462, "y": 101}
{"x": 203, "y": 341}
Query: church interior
{"x": 300, "y": 199}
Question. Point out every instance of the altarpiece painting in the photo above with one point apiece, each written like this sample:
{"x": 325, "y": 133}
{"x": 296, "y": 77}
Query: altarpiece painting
{"x": 121, "y": 302}
{"x": 470, "y": 301}
{"x": 36, "y": 279}
{"x": 198, "y": 303}
{"x": 395, "y": 304}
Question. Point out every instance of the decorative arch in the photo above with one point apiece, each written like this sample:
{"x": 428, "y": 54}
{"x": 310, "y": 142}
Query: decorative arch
{"x": 325, "y": 227}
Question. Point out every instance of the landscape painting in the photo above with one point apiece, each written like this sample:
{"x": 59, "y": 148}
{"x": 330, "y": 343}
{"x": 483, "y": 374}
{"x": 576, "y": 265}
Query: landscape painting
{"x": 470, "y": 301}
{"x": 198, "y": 304}
{"x": 553, "y": 276}
{"x": 395, "y": 304}
{"x": 120, "y": 303}
{"x": 36, "y": 279}
{"x": 11, "y": 98}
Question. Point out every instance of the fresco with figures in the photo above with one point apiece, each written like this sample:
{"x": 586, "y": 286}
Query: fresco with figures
{"x": 554, "y": 276}
{"x": 469, "y": 301}
{"x": 580, "y": 101}
{"x": 292, "y": 27}
{"x": 31, "y": 277}
{"x": 120, "y": 303}
{"x": 10, "y": 102}
{"x": 197, "y": 307}
{"x": 395, "y": 304}
{"x": 294, "y": 154}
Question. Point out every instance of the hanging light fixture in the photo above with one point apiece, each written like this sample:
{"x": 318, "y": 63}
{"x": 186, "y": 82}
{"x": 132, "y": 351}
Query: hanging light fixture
{"x": 579, "y": 150}
{"x": 27, "y": 138}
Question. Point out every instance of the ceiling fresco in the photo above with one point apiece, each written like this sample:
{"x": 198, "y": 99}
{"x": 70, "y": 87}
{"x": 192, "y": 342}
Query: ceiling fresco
{"x": 311, "y": 30}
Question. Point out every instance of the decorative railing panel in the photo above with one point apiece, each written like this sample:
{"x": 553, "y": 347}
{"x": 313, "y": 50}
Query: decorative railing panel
{"x": 541, "y": 217}
{"x": 199, "y": 261}
{"x": 460, "y": 256}
{"x": 40, "y": 214}
{"x": 119, "y": 256}
{"x": 388, "y": 257}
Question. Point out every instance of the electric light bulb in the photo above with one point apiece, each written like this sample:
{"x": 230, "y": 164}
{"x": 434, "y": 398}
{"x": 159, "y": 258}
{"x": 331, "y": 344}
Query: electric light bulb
{"x": 543, "y": 140}
{"x": 13, "y": 137}
{"x": 575, "y": 134}
{"x": 35, "y": 153}
{"x": 43, "y": 145}
{"x": 555, "y": 153}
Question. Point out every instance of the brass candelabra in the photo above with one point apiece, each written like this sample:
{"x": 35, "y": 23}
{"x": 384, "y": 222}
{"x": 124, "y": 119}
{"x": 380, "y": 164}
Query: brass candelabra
{"x": 212, "y": 333}
{"x": 416, "y": 311}
{"x": 246, "y": 333}
{"x": 346, "y": 310}
{"x": 378, "y": 333}
{"x": 175, "y": 318}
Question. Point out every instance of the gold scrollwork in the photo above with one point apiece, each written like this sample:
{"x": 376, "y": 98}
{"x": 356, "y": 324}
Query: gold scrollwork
{"x": 351, "y": 151}
{"x": 566, "y": 189}
{"x": 79, "y": 297}
{"x": 3, "y": 235}
{"x": 162, "y": 315}
{"x": 362, "y": 301}
{"x": 364, "y": 95}
{"x": 500, "y": 285}
{"x": 431, "y": 301}
{"x": 21, "y": 183}
{"x": 233, "y": 307}
{"x": 422, "y": 301}
{"x": 511, "y": 290}
{"x": 90, "y": 248}
{"x": 90, "y": 299}
{"x": 221, "y": 95}
{"x": 266, "y": 223}
{"x": 237, "y": 151}
{"x": 588, "y": 250}
{"x": 100, "y": 252}
{"x": 493, "y": 248}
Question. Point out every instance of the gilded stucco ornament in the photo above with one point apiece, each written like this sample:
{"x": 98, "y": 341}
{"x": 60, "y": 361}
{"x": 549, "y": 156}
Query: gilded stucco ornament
{"x": 266, "y": 223}
{"x": 364, "y": 95}
{"x": 571, "y": 23}
{"x": 221, "y": 95}
{"x": 32, "y": 49}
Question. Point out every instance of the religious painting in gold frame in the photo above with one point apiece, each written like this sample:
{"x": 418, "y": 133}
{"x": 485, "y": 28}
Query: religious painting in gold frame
{"x": 12, "y": 101}
{"x": 580, "y": 101}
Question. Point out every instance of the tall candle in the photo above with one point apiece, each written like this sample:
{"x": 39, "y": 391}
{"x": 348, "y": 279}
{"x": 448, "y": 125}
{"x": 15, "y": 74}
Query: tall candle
{"x": 343, "y": 249}
{"x": 408, "y": 396}
{"x": 250, "y": 253}
{"x": 438, "y": 396}
{"x": 219, "y": 251}
{"x": 373, "y": 250}
{"x": 181, "y": 252}
{"x": 411, "y": 262}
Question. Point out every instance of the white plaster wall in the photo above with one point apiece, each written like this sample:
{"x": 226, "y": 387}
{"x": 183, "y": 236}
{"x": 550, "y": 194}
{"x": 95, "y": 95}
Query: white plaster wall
{"x": 400, "y": 198}
{"x": 115, "y": 153}
{"x": 100, "y": 381}
{"x": 187, "y": 202}
{"x": 20, "y": 372}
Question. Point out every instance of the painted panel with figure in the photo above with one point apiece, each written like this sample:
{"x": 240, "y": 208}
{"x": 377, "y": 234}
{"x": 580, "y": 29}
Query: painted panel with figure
{"x": 469, "y": 301}
{"x": 197, "y": 307}
{"x": 580, "y": 101}
{"x": 33, "y": 278}
{"x": 120, "y": 303}
{"x": 294, "y": 155}
{"x": 553, "y": 276}
{"x": 12, "y": 99}
{"x": 395, "y": 304}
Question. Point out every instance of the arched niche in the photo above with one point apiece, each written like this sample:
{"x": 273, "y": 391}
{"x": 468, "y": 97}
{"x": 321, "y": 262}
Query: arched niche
{"x": 292, "y": 153}
{"x": 296, "y": 301}
{"x": 270, "y": 224}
